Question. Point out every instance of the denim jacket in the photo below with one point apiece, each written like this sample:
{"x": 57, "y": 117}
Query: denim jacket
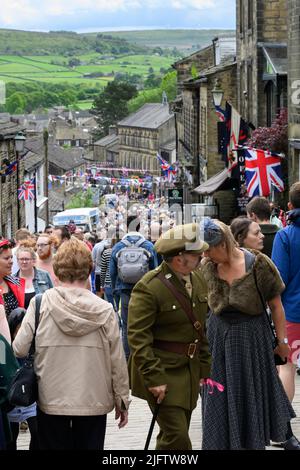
{"x": 41, "y": 281}
{"x": 116, "y": 283}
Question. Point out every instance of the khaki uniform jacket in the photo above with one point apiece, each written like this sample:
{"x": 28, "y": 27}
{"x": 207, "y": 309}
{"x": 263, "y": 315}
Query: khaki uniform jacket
{"x": 154, "y": 314}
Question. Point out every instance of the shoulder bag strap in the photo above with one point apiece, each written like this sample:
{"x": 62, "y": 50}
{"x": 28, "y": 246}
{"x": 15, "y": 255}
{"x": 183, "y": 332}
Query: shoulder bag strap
{"x": 263, "y": 303}
{"x": 38, "y": 301}
{"x": 185, "y": 304}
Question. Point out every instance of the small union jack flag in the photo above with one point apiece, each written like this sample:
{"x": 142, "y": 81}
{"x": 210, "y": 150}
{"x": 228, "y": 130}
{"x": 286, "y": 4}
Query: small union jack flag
{"x": 262, "y": 170}
{"x": 27, "y": 190}
{"x": 221, "y": 113}
{"x": 163, "y": 163}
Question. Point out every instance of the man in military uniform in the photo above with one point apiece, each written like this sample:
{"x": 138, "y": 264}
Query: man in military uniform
{"x": 166, "y": 334}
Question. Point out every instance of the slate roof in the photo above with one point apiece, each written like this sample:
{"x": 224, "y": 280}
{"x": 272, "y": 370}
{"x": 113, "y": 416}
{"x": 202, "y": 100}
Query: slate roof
{"x": 56, "y": 201}
{"x": 149, "y": 116}
{"x": 277, "y": 56}
{"x": 9, "y": 129}
{"x": 32, "y": 161}
{"x": 71, "y": 133}
{"x": 107, "y": 140}
{"x": 66, "y": 159}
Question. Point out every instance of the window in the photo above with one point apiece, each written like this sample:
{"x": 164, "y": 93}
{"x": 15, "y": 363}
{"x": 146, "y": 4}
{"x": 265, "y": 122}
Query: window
{"x": 270, "y": 103}
{"x": 241, "y": 16}
{"x": 250, "y": 14}
{"x": 109, "y": 156}
{"x": 249, "y": 91}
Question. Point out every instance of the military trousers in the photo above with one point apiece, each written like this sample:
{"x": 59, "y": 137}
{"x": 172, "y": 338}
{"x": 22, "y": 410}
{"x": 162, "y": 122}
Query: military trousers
{"x": 174, "y": 423}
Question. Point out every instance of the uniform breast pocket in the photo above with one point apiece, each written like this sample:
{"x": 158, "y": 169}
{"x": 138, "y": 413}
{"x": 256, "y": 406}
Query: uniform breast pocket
{"x": 170, "y": 314}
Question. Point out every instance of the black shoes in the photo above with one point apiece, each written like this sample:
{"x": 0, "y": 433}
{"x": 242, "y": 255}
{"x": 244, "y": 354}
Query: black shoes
{"x": 291, "y": 444}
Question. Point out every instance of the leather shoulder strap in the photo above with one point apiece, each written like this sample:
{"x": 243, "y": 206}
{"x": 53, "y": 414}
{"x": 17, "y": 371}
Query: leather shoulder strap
{"x": 185, "y": 304}
{"x": 263, "y": 302}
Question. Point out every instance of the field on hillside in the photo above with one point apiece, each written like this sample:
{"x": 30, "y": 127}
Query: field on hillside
{"x": 185, "y": 40}
{"x": 55, "y": 68}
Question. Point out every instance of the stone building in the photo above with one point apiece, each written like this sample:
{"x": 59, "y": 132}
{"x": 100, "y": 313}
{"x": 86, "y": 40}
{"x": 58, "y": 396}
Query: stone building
{"x": 61, "y": 162}
{"x": 106, "y": 150}
{"x": 197, "y": 122}
{"x": 261, "y": 59}
{"x": 143, "y": 134}
{"x": 11, "y": 209}
{"x": 294, "y": 89}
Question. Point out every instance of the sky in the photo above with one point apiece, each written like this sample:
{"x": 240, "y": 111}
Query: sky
{"x": 105, "y": 15}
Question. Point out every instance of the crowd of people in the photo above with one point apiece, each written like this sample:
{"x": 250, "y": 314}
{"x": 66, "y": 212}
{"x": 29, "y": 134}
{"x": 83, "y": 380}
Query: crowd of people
{"x": 184, "y": 308}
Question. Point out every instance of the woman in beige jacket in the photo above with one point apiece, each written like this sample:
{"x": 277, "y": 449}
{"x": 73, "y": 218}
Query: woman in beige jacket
{"x": 79, "y": 359}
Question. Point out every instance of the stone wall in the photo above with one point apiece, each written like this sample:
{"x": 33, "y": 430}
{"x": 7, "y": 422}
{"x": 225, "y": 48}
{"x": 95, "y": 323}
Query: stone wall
{"x": 294, "y": 87}
{"x": 201, "y": 60}
{"x": 228, "y": 82}
{"x": 258, "y": 21}
{"x": 8, "y": 193}
{"x": 138, "y": 148}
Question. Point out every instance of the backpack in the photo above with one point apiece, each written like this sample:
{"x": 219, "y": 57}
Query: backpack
{"x": 133, "y": 261}
{"x": 8, "y": 367}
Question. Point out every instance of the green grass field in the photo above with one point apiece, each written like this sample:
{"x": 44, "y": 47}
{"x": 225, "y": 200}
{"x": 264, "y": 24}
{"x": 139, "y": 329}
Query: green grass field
{"x": 40, "y": 68}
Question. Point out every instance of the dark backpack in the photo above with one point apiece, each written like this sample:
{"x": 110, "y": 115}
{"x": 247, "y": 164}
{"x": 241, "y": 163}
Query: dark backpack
{"x": 8, "y": 367}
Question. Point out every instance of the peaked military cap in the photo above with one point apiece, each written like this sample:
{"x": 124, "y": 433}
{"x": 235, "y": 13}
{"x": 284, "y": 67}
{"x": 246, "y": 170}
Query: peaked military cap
{"x": 181, "y": 239}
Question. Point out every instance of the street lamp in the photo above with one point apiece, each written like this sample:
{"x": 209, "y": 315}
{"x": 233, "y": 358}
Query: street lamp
{"x": 217, "y": 93}
{"x": 19, "y": 147}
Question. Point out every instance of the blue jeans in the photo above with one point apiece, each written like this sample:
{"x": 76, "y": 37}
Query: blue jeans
{"x": 108, "y": 295}
{"x": 111, "y": 298}
{"x": 125, "y": 297}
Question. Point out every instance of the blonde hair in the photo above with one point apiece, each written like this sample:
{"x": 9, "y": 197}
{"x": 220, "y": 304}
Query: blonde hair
{"x": 73, "y": 261}
{"x": 27, "y": 249}
{"x": 228, "y": 238}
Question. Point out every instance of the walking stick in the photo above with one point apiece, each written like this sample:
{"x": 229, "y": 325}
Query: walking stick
{"x": 154, "y": 416}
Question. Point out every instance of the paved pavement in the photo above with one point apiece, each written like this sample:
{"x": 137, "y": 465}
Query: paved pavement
{"x": 133, "y": 436}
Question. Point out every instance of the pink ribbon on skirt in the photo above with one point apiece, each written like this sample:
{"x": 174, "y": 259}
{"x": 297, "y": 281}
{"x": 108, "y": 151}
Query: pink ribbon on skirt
{"x": 212, "y": 384}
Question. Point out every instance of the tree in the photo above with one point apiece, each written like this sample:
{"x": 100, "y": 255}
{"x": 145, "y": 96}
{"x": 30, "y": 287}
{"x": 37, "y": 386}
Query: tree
{"x": 16, "y": 103}
{"x": 169, "y": 85}
{"x": 154, "y": 95}
{"x": 111, "y": 105}
{"x": 81, "y": 199}
{"x": 274, "y": 138}
{"x": 152, "y": 81}
{"x": 74, "y": 62}
{"x": 34, "y": 100}
{"x": 67, "y": 97}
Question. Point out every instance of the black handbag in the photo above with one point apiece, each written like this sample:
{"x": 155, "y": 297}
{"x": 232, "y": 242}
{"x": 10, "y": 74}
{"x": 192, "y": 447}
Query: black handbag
{"x": 278, "y": 360}
{"x": 23, "y": 390}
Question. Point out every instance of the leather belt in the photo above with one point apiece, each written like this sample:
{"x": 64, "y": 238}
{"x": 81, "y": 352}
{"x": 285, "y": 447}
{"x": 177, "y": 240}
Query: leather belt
{"x": 186, "y": 349}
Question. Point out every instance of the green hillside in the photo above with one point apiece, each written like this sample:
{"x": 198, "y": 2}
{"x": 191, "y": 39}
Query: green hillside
{"x": 68, "y": 43}
{"x": 185, "y": 40}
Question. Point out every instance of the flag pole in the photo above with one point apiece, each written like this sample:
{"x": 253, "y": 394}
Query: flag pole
{"x": 35, "y": 205}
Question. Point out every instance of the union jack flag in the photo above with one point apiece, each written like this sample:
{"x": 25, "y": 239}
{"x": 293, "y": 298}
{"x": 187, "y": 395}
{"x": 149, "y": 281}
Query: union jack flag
{"x": 262, "y": 170}
{"x": 11, "y": 168}
{"x": 221, "y": 113}
{"x": 27, "y": 191}
{"x": 163, "y": 163}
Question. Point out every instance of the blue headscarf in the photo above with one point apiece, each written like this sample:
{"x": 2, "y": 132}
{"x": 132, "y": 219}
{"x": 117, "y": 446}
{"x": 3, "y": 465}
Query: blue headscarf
{"x": 212, "y": 232}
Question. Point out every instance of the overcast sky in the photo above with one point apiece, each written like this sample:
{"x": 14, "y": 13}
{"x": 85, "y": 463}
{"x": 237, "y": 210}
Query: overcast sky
{"x": 97, "y": 15}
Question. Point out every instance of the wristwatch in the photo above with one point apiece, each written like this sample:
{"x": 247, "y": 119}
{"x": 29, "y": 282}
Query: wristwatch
{"x": 283, "y": 341}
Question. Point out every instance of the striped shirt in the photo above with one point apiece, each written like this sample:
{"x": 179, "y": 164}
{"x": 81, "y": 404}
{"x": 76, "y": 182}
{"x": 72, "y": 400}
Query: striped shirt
{"x": 105, "y": 275}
